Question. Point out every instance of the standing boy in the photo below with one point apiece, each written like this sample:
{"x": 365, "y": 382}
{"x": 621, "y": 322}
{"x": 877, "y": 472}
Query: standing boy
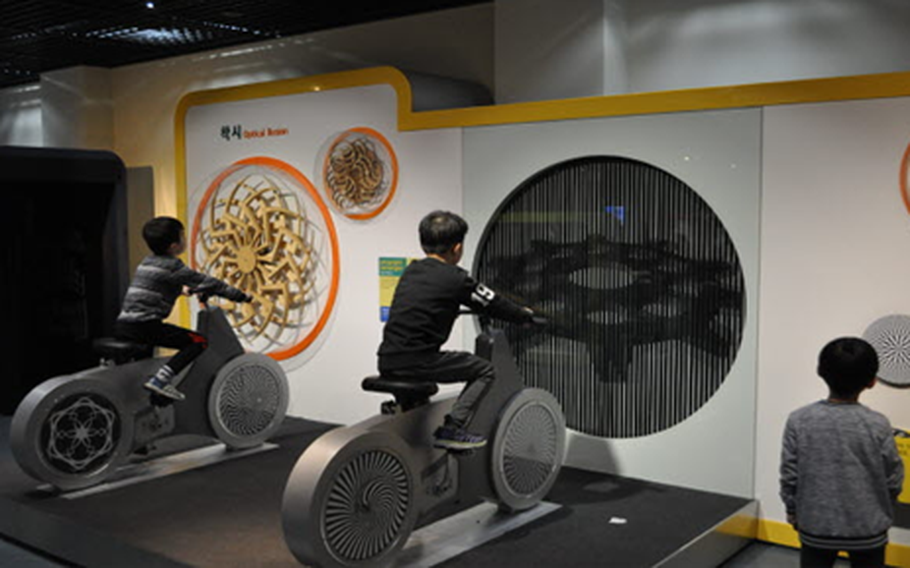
{"x": 160, "y": 278}
{"x": 840, "y": 471}
{"x": 426, "y": 303}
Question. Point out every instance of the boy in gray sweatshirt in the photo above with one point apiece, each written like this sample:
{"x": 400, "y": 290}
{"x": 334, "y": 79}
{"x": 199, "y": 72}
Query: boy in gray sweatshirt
{"x": 840, "y": 471}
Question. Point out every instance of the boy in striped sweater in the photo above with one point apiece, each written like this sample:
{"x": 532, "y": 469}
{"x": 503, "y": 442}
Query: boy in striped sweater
{"x": 160, "y": 279}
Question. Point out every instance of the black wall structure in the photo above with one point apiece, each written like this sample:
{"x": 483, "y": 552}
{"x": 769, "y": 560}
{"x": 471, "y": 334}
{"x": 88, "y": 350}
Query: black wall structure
{"x": 641, "y": 281}
{"x": 64, "y": 265}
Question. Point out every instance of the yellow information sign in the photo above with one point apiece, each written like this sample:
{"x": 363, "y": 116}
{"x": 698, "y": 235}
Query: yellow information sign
{"x": 390, "y": 271}
{"x": 903, "y": 448}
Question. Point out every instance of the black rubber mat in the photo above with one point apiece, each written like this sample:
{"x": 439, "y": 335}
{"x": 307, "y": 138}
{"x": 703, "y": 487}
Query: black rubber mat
{"x": 229, "y": 515}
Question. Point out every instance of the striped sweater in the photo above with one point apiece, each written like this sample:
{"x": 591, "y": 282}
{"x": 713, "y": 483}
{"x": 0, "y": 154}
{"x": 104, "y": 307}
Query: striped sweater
{"x": 159, "y": 281}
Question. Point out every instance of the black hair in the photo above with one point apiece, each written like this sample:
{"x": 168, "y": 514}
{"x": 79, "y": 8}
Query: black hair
{"x": 440, "y": 231}
{"x": 848, "y": 365}
{"x": 161, "y": 232}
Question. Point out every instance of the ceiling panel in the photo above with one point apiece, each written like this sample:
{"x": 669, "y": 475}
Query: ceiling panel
{"x": 43, "y": 35}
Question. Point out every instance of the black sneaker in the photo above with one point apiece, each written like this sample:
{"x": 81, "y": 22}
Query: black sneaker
{"x": 454, "y": 438}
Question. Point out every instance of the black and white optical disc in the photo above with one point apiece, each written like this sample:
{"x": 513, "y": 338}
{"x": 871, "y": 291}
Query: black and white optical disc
{"x": 890, "y": 336}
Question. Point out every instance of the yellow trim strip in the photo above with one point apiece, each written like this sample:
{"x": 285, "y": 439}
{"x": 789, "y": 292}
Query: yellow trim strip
{"x": 761, "y": 94}
{"x": 775, "y": 532}
{"x": 740, "y": 96}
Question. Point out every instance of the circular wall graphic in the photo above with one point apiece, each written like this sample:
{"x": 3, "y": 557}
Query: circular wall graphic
{"x": 905, "y": 178}
{"x": 890, "y": 336}
{"x": 359, "y": 173}
{"x": 642, "y": 285}
{"x": 262, "y": 227}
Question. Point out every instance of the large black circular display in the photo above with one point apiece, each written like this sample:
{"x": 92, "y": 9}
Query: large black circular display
{"x": 642, "y": 284}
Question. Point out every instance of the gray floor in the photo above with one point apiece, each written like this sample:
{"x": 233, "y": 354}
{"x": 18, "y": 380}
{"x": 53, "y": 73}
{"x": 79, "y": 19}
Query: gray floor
{"x": 11, "y": 554}
{"x": 757, "y": 555}
{"x": 761, "y": 555}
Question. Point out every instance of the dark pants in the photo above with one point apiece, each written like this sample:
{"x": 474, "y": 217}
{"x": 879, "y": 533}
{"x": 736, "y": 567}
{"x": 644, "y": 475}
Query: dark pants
{"x": 160, "y": 334}
{"x": 811, "y": 557}
{"x": 454, "y": 367}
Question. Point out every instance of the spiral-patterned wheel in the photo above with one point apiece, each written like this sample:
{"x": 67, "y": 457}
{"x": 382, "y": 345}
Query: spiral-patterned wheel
{"x": 350, "y": 500}
{"x": 71, "y": 433}
{"x": 890, "y": 336}
{"x": 248, "y": 400}
{"x": 367, "y": 506}
{"x": 528, "y": 449}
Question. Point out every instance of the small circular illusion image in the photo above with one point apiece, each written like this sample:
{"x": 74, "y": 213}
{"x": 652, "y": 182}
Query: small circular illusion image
{"x": 262, "y": 227}
{"x": 641, "y": 284}
{"x": 359, "y": 173}
{"x": 890, "y": 336}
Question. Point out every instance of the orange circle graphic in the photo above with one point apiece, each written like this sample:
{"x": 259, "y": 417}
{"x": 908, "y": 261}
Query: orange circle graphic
{"x": 369, "y": 134}
{"x": 905, "y": 173}
{"x": 243, "y": 255}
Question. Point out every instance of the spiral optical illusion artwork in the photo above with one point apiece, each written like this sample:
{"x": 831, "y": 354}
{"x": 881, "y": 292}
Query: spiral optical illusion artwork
{"x": 359, "y": 173}
{"x": 367, "y": 506}
{"x": 890, "y": 336}
{"x": 80, "y": 432}
{"x": 640, "y": 280}
{"x": 530, "y": 450}
{"x": 262, "y": 227}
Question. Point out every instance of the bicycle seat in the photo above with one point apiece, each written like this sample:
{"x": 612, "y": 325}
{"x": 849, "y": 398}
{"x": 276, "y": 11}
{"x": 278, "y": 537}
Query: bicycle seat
{"x": 400, "y": 388}
{"x": 120, "y": 350}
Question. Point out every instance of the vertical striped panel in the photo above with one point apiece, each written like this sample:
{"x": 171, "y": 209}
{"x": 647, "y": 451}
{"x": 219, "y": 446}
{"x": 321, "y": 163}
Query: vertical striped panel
{"x": 642, "y": 284}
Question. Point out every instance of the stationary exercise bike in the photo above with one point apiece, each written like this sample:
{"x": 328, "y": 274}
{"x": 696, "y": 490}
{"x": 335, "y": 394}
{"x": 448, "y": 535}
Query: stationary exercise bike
{"x": 356, "y": 493}
{"x": 74, "y": 431}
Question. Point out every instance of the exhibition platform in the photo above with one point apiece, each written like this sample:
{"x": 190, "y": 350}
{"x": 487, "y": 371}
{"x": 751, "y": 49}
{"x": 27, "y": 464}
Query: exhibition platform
{"x": 228, "y": 513}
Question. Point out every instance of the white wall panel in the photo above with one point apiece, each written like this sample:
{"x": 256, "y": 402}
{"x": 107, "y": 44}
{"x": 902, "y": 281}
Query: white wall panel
{"x": 20, "y": 116}
{"x": 835, "y": 242}
{"x": 717, "y": 155}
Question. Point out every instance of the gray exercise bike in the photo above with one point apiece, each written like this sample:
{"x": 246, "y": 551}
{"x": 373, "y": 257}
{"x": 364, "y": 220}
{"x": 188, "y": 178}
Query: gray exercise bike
{"x": 74, "y": 431}
{"x": 357, "y": 492}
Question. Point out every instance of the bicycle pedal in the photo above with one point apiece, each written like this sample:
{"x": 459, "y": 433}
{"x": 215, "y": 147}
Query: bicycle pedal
{"x": 145, "y": 450}
{"x": 160, "y": 401}
{"x": 461, "y": 453}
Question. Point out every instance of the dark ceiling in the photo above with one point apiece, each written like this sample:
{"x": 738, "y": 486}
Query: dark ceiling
{"x": 43, "y": 35}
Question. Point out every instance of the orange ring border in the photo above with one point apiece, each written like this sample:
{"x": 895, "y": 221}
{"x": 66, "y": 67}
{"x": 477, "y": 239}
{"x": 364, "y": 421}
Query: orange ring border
{"x": 298, "y": 347}
{"x": 388, "y": 146}
{"x": 905, "y": 164}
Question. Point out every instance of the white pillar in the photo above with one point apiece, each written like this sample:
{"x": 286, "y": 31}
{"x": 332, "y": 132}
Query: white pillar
{"x": 76, "y": 108}
{"x": 20, "y": 116}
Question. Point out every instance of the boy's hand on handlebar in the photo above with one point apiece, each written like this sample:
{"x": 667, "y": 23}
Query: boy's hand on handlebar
{"x": 187, "y": 291}
{"x": 540, "y": 320}
{"x": 534, "y": 318}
